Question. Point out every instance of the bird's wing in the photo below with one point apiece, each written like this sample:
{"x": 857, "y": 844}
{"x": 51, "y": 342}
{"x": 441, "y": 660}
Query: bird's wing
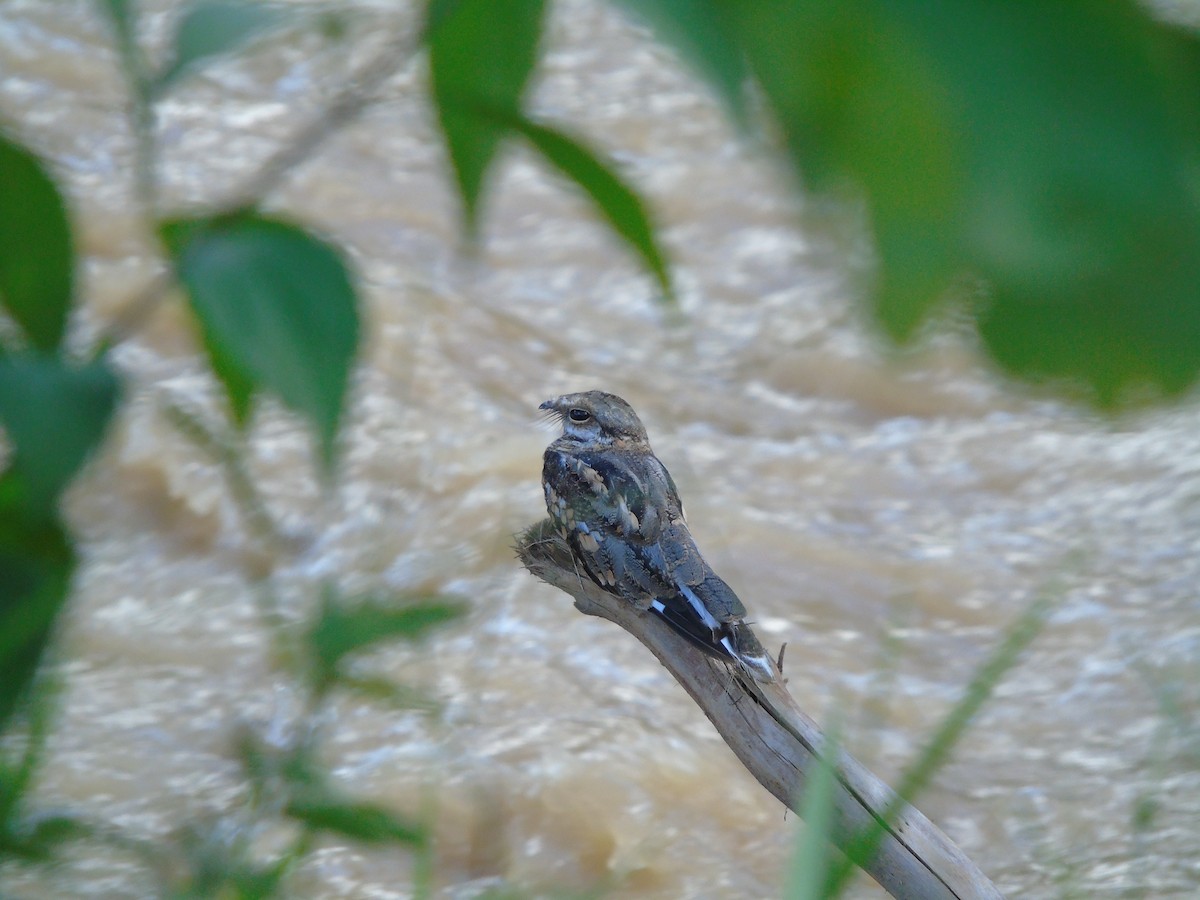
{"x": 641, "y": 504}
{"x": 630, "y": 492}
{"x": 604, "y": 512}
{"x": 719, "y": 599}
{"x": 622, "y": 518}
{"x": 711, "y": 617}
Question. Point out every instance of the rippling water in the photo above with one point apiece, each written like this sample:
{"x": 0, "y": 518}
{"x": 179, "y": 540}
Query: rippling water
{"x": 885, "y": 514}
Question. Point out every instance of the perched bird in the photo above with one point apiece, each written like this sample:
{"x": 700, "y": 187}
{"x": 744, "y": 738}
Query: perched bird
{"x": 617, "y": 507}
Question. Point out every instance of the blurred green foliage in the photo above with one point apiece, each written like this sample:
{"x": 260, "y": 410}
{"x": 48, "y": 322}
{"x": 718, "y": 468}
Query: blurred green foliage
{"x": 481, "y": 54}
{"x": 292, "y": 780}
{"x": 213, "y": 28}
{"x": 344, "y": 630}
{"x": 54, "y": 413}
{"x": 1047, "y": 151}
{"x": 37, "y": 265}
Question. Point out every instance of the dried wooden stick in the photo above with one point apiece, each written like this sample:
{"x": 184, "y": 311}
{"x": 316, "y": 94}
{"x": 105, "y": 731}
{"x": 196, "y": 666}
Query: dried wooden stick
{"x": 777, "y": 741}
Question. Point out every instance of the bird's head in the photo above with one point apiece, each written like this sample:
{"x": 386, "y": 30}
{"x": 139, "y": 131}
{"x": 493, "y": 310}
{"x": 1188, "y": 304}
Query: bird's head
{"x": 597, "y": 418}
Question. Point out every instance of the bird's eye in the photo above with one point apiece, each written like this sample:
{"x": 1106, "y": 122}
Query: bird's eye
{"x": 579, "y": 415}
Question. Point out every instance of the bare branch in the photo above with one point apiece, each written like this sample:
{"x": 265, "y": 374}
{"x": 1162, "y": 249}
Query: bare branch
{"x": 777, "y": 741}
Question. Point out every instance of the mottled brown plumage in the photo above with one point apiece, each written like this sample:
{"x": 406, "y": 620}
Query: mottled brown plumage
{"x": 617, "y": 507}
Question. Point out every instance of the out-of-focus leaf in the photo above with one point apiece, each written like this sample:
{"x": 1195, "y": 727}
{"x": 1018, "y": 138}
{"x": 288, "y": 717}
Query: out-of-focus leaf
{"x": 481, "y": 55}
{"x": 122, "y": 14}
{"x": 39, "y": 840}
{"x": 307, "y": 796}
{"x": 858, "y": 98}
{"x": 278, "y": 309}
{"x": 255, "y": 756}
{"x": 260, "y": 882}
{"x": 55, "y": 415}
{"x": 615, "y": 200}
{"x": 700, "y": 31}
{"x": 1083, "y": 204}
{"x": 296, "y": 767}
{"x": 16, "y": 775}
{"x": 437, "y": 12}
{"x": 239, "y": 386}
{"x": 36, "y": 563}
{"x": 361, "y": 821}
{"x": 1061, "y": 170}
{"x": 211, "y": 28}
{"x": 397, "y": 696}
{"x": 334, "y": 24}
{"x": 222, "y": 862}
{"x": 345, "y": 628}
{"x": 36, "y": 254}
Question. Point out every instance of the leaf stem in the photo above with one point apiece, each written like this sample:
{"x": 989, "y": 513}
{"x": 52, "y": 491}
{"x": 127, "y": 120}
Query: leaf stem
{"x": 241, "y": 485}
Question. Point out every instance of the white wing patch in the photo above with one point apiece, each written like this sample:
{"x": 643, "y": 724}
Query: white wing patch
{"x": 701, "y": 610}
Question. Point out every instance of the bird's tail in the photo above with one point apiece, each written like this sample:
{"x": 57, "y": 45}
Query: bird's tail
{"x": 751, "y": 655}
{"x": 730, "y": 641}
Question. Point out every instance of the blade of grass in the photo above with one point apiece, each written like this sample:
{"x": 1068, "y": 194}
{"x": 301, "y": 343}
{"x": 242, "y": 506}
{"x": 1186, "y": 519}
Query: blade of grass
{"x": 1019, "y": 635}
{"x": 811, "y": 861}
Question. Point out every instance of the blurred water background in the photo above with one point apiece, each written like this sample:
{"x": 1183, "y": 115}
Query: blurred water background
{"x": 886, "y": 514}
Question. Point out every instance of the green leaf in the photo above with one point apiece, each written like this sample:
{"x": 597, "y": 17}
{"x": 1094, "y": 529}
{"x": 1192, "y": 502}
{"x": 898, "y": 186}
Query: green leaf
{"x": 297, "y": 766}
{"x": 222, "y": 861}
{"x": 342, "y": 629}
{"x": 36, "y": 564}
{"x": 700, "y": 31}
{"x": 17, "y": 771}
{"x": 39, "y": 840}
{"x": 1083, "y": 208}
{"x": 36, "y": 255}
{"x": 239, "y": 385}
{"x": 437, "y": 12}
{"x": 1061, "y": 171}
{"x": 481, "y": 55}
{"x": 858, "y": 98}
{"x": 360, "y": 821}
{"x": 310, "y": 798}
{"x": 255, "y": 882}
{"x": 55, "y": 415}
{"x": 212, "y": 28}
{"x": 378, "y": 689}
{"x": 255, "y": 756}
{"x": 615, "y": 200}
{"x": 278, "y": 309}
{"x": 122, "y": 13}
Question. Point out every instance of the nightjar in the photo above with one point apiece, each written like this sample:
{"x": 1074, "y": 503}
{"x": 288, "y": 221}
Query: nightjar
{"x": 617, "y": 507}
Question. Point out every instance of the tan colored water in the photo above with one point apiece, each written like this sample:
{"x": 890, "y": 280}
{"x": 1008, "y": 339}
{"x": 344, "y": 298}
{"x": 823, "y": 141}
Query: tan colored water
{"x": 847, "y": 495}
